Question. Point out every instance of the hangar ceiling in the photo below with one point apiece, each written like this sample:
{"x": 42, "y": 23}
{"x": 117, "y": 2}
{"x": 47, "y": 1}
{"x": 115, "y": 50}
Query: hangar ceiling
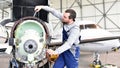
{"x": 104, "y": 12}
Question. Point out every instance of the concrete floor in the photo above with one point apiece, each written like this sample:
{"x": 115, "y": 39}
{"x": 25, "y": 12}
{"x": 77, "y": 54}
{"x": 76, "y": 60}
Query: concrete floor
{"x": 111, "y": 58}
{"x": 85, "y": 59}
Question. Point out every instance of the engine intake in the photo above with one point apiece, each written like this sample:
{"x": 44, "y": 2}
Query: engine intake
{"x": 30, "y": 35}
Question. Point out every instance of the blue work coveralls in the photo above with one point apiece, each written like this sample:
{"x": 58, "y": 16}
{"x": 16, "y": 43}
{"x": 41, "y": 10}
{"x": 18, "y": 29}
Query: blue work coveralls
{"x": 67, "y": 58}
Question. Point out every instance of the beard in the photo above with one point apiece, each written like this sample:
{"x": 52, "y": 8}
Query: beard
{"x": 64, "y": 22}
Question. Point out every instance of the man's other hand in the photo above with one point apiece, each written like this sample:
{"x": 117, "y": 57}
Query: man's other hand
{"x": 51, "y": 55}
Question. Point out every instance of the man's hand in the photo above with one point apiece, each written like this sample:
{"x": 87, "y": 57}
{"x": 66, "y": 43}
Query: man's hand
{"x": 51, "y": 55}
{"x": 38, "y": 8}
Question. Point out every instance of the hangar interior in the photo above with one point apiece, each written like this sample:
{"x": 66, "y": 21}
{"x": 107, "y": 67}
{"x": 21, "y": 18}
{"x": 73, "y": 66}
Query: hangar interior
{"x": 104, "y": 12}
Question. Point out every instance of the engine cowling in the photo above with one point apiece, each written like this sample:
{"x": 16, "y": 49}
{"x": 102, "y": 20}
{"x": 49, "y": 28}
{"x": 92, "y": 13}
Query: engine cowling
{"x": 30, "y": 35}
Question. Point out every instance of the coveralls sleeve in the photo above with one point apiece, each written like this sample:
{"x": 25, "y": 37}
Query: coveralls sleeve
{"x": 73, "y": 36}
{"x": 53, "y": 11}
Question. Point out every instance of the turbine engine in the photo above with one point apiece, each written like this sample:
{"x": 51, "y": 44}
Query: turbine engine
{"x": 29, "y": 37}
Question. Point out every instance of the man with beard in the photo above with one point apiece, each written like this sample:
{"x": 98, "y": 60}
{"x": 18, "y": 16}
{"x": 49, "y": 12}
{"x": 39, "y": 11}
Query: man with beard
{"x": 69, "y": 51}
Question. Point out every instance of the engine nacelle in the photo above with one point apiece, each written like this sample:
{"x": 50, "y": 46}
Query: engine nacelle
{"x": 3, "y": 34}
{"x": 30, "y": 35}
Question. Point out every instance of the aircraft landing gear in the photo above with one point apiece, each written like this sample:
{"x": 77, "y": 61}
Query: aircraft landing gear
{"x": 96, "y": 63}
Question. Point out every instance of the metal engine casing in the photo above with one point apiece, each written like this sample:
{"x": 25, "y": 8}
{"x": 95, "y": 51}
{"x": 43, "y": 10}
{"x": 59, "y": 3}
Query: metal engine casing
{"x": 30, "y": 41}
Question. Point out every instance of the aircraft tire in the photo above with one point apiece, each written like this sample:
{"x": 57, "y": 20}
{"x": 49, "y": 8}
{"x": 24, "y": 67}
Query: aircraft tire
{"x": 97, "y": 63}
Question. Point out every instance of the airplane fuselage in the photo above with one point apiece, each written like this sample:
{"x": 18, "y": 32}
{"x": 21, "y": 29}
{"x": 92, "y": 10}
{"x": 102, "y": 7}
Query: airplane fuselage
{"x": 91, "y": 31}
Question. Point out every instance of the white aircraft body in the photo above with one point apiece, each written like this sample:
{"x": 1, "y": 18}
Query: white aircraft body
{"x": 90, "y": 31}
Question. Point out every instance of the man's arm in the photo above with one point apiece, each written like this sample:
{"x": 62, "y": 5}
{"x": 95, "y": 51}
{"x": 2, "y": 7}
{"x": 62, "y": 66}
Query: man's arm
{"x": 74, "y": 35}
{"x": 49, "y": 9}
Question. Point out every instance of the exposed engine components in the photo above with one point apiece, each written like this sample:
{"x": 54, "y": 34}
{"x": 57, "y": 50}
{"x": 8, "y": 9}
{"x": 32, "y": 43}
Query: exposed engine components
{"x": 30, "y": 35}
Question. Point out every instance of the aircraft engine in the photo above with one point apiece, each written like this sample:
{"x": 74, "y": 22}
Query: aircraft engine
{"x": 30, "y": 38}
{"x": 3, "y": 34}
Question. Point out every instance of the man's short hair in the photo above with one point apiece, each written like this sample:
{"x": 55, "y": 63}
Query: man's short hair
{"x": 72, "y": 14}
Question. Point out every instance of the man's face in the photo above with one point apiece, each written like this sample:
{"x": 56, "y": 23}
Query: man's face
{"x": 65, "y": 18}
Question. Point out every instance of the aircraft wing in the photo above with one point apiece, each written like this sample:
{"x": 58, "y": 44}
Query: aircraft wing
{"x": 88, "y": 40}
{"x": 99, "y": 39}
